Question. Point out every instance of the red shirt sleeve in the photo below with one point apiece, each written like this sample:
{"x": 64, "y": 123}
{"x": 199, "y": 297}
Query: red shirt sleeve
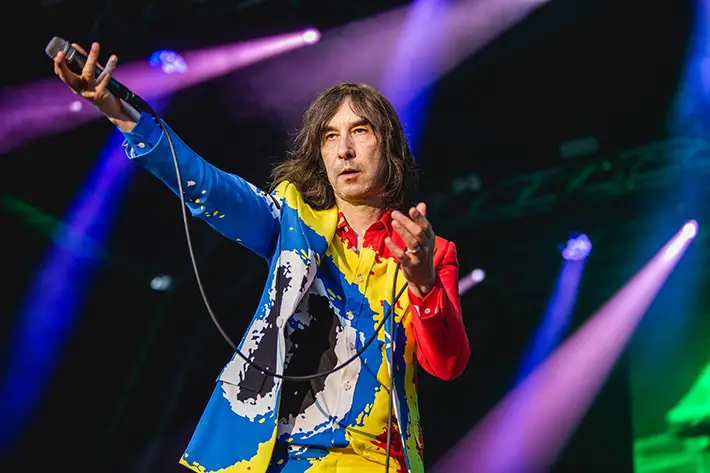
{"x": 442, "y": 343}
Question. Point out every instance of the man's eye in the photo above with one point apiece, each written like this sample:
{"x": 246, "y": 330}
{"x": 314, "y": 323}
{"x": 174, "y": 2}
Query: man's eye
{"x": 330, "y": 136}
{"x": 360, "y": 130}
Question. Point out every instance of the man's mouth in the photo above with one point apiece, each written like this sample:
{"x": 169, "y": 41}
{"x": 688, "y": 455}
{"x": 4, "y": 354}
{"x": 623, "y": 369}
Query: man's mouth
{"x": 349, "y": 173}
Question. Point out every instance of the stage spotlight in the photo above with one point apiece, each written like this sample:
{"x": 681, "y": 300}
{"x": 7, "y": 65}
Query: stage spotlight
{"x": 477, "y": 275}
{"x": 161, "y": 283}
{"x": 75, "y": 106}
{"x": 311, "y": 36}
{"x": 169, "y": 61}
{"x": 577, "y": 249}
{"x": 687, "y": 233}
{"x": 471, "y": 279}
{"x": 690, "y": 229}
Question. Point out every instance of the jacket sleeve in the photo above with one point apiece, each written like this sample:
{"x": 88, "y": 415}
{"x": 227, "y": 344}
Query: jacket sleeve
{"x": 442, "y": 344}
{"x": 228, "y": 203}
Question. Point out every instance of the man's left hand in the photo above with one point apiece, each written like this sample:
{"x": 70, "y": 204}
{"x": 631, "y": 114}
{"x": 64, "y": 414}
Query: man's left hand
{"x": 418, "y": 257}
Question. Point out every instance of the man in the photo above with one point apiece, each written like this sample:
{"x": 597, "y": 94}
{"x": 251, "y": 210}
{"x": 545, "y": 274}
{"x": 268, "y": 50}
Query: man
{"x": 337, "y": 222}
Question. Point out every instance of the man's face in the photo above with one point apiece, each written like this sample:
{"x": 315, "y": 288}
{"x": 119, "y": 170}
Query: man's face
{"x": 352, "y": 157}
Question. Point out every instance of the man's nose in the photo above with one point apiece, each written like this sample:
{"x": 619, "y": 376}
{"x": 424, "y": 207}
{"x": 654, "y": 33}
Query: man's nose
{"x": 346, "y": 149}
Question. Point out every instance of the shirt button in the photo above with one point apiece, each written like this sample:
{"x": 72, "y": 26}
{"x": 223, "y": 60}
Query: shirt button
{"x": 359, "y": 278}
{"x": 279, "y": 322}
{"x": 348, "y": 385}
{"x": 351, "y": 345}
{"x": 141, "y": 145}
{"x": 350, "y": 316}
{"x": 345, "y": 229}
{"x": 427, "y": 311}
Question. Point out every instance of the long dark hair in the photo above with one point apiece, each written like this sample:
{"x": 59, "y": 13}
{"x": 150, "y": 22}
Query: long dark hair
{"x": 304, "y": 166}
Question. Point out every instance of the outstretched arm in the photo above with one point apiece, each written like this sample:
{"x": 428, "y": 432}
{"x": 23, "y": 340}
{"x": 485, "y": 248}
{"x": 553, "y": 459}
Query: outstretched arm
{"x": 228, "y": 203}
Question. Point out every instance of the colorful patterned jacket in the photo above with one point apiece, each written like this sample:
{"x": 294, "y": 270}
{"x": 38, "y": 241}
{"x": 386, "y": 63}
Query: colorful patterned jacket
{"x": 237, "y": 431}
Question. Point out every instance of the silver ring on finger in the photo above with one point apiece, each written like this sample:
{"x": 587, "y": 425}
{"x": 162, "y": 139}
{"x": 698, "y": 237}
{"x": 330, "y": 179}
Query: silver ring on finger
{"x": 416, "y": 250}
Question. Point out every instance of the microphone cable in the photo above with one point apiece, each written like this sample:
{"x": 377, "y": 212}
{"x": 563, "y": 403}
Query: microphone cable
{"x": 264, "y": 370}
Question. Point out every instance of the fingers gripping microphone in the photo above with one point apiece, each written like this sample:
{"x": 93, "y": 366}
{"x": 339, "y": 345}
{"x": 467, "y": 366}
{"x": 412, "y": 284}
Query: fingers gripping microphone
{"x": 75, "y": 60}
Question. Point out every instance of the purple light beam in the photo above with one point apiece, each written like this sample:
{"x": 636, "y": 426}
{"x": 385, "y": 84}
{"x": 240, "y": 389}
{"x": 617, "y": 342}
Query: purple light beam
{"x": 364, "y": 50}
{"x": 471, "y": 279}
{"x": 527, "y": 430}
{"x": 45, "y": 107}
{"x": 406, "y": 76}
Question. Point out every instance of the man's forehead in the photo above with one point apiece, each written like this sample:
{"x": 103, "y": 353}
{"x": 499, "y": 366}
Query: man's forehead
{"x": 347, "y": 116}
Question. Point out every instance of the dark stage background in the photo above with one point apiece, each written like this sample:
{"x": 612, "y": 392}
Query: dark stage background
{"x": 139, "y": 365}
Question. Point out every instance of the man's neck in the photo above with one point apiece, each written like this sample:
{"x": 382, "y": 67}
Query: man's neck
{"x": 360, "y": 217}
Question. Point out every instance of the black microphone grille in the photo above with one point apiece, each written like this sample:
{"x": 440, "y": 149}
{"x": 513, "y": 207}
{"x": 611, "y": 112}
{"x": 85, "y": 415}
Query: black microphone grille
{"x": 55, "y": 45}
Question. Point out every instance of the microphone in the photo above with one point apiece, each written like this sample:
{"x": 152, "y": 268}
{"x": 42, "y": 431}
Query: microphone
{"x": 76, "y": 61}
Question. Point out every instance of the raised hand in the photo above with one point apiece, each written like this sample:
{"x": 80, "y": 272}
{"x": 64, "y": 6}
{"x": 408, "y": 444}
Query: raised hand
{"x": 418, "y": 258}
{"x": 87, "y": 85}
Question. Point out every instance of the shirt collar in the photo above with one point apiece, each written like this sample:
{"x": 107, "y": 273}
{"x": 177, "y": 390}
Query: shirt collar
{"x": 383, "y": 224}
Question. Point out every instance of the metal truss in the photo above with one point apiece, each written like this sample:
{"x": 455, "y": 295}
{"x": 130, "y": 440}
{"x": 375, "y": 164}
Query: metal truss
{"x": 656, "y": 165}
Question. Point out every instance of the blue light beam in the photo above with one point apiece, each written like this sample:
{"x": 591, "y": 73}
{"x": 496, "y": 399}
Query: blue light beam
{"x": 56, "y": 296}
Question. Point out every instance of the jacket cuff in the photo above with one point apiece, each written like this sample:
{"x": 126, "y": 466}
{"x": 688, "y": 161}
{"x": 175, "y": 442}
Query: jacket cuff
{"x": 143, "y": 137}
{"x": 429, "y": 305}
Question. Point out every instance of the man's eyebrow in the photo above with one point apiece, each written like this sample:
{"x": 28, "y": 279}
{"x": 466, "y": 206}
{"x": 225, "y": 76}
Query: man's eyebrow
{"x": 361, "y": 122}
